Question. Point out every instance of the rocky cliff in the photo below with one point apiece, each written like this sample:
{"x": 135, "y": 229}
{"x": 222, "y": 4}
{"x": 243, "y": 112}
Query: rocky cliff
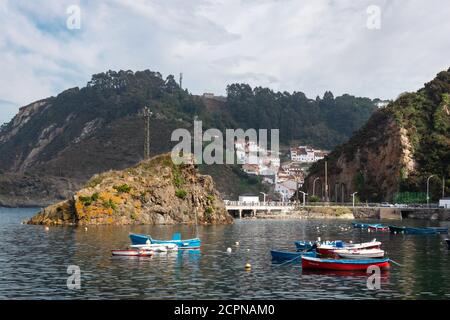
{"x": 153, "y": 192}
{"x": 396, "y": 151}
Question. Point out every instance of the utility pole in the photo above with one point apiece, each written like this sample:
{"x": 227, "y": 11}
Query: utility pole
{"x": 326, "y": 181}
{"x": 181, "y": 80}
{"x": 147, "y": 115}
{"x": 428, "y": 189}
{"x": 443, "y": 187}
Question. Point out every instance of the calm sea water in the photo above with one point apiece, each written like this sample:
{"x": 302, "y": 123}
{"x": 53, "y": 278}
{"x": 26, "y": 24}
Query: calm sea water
{"x": 33, "y": 263}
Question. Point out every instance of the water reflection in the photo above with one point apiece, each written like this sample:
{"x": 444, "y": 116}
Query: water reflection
{"x": 33, "y": 263}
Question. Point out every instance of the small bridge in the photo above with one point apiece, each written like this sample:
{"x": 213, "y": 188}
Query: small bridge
{"x": 240, "y": 208}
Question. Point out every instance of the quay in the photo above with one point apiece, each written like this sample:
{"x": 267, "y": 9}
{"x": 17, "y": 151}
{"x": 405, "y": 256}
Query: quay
{"x": 240, "y": 209}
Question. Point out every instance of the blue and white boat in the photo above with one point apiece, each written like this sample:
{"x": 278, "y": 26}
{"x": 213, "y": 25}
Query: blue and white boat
{"x": 303, "y": 245}
{"x": 176, "y": 239}
{"x": 278, "y": 255}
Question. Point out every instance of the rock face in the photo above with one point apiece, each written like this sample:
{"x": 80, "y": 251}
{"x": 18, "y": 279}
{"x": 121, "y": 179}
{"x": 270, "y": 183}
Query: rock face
{"x": 154, "y": 192}
{"x": 396, "y": 151}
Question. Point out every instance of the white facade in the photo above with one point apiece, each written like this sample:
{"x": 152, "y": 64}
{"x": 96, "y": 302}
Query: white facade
{"x": 306, "y": 154}
{"x": 444, "y": 203}
{"x": 286, "y": 189}
{"x": 249, "y": 199}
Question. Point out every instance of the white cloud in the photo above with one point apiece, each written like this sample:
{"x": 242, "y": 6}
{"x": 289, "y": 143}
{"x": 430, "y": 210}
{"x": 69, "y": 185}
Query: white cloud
{"x": 309, "y": 46}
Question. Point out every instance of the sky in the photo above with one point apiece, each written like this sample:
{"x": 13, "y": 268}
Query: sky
{"x": 373, "y": 48}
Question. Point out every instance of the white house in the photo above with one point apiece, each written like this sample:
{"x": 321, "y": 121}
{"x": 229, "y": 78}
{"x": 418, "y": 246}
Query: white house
{"x": 306, "y": 154}
{"x": 444, "y": 203}
{"x": 286, "y": 189}
{"x": 249, "y": 198}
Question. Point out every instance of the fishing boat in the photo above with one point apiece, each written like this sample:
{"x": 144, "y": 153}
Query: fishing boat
{"x": 443, "y": 230}
{"x": 176, "y": 239}
{"x": 343, "y": 264}
{"x": 395, "y": 229}
{"x": 132, "y": 253}
{"x": 330, "y": 249}
{"x": 378, "y": 227}
{"x": 413, "y": 230}
{"x": 360, "y": 254}
{"x": 303, "y": 245}
{"x": 156, "y": 247}
{"x": 288, "y": 256}
{"x": 448, "y": 243}
{"x": 372, "y": 226}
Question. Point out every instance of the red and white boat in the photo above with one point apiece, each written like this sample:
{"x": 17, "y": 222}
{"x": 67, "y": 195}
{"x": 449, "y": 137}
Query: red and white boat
{"x": 330, "y": 249}
{"x": 343, "y": 264}
{"x": 360, "y": 254}
{"x": 132, "y": 253}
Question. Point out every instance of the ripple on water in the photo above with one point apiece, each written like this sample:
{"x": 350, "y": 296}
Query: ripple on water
{"x": 34, "y": 263}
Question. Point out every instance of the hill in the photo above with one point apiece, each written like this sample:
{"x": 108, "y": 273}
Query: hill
{"x": 66, "y": 139}
{"x": 396, "y": 151}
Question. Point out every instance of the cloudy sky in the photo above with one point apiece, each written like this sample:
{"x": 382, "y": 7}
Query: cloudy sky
{"x": 302, "y": 45}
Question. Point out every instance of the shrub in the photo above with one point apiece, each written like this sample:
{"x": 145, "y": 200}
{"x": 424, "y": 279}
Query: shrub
{"x": 314, "y": 199}
{"x": 180, "y": 193}
{"x": 209, "y": 211}
{"x": 124, "y": 188}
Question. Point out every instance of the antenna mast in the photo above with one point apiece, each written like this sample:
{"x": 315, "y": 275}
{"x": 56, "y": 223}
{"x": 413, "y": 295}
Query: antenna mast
{"x": 181, "y": 80}
{"x": 147, "y": 114}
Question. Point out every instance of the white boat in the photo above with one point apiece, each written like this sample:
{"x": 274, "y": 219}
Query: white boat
{"x": 132, "y": 253}
{"x": 360, "y": 254}
{"x": 156, "y": 247}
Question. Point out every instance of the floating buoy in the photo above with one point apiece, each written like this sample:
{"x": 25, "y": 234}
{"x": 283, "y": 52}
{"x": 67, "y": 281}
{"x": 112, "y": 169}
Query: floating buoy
{"x": 248, "y": 266}
{"x": 47, "y": 228}
{"x": 229, "y": 250}
{"x": 85, "y": 228}
{"x": 318, "y": 239}
{"x": 351, "y": 241}
{"x": 237, "y": 243}
{"x": 248, "y": 250}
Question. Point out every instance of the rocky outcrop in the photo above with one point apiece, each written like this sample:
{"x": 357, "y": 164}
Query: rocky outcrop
{"x": 154, "y": 192}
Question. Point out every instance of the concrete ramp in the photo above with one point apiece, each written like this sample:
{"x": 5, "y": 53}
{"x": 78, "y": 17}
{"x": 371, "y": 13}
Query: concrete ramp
{"x": 391, "y": 213}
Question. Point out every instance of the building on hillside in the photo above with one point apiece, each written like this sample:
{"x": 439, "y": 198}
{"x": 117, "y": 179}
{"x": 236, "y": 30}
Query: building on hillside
{"x": 249, "y": 198}
{"x": 286, "y": 189}
{"x": 305, "y": 154}
{"x": 444, "y": 203}
{"x": 251, "y": 169}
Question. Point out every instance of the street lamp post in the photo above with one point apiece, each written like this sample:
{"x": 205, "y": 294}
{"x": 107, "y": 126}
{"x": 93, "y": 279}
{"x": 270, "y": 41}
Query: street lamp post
{"x": 353, "y": 198}
{"x": 304, "y": 197}
{"x": 314, "y": 186}
{"x": 264, "y": 194}
{"x": 428, "y": 189}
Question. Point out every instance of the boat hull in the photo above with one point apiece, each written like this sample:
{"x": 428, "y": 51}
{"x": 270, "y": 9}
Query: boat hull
{"x": 182, "y": 244}
{"x": 361, "y": 254}
{"x": 287, "y": 256}
{"x": 132, "y": 253}
{"x": 330, "y": 250}
{"x": 343, "y": 264}
{"x": 411, "y": 230}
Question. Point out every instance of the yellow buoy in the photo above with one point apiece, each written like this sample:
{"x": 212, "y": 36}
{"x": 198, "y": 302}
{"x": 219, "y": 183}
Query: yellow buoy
{"x": 248, "y": 266}
{"x": 237, "y": 243}
{"x": 85, "y": 228}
